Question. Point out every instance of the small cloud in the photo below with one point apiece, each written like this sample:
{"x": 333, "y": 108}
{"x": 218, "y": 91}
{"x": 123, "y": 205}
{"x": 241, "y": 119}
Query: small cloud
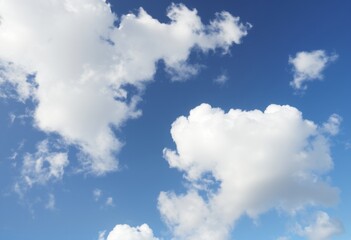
{"x": 332, "y": 125}
{"x": 97, "y": 194}
{"x": 109, "y": 202}
{"x": 221, "y": 79}
{"x": 309, "y": 66}
{"x": 182, "y": 71}
{"x": 51, "y": 202}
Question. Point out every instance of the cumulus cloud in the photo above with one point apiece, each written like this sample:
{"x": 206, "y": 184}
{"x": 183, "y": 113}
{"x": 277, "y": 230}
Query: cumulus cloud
{"x": 75, "y": 63}
{"x": 244, "y": 163}
{"x": 322, "y": 228}
{"x": 126, "y": 232}
{"x": 43, "y": 166}
{"x": 309, "y": 66}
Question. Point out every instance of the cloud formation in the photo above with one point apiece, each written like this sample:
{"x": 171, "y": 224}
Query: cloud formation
{"x": 244, "y": 163}
{"x": 126, "y": 232}
{"x": 309, "y": 66}
{"x": 73, "y": 61}
{"x": 323, "y": 228}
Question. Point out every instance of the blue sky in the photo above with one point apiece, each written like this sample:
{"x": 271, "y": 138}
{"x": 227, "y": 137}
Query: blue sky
{"x": 90, "y": 144}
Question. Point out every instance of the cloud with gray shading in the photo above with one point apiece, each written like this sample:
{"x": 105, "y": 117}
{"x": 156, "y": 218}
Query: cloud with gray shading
{"x": 75, "y": 62}
{"x": 244, "y": 163}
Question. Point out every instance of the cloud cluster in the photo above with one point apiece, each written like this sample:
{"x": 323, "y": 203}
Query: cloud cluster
{"x": 323, "y": 228}
{"x": 75, "y": 63}
{"x": 309, "y": 66}
{"x": 244, "y": 163}
{"x": 126, "y": 232}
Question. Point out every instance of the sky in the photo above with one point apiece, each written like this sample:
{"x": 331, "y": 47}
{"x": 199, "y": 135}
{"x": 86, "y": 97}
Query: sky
{"x": 161, "y": 120}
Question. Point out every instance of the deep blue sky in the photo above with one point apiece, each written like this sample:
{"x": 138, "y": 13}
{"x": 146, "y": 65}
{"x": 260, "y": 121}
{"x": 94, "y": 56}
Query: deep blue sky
{"x": 258, "y": 75}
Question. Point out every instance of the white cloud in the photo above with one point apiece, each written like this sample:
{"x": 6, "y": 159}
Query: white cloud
{"x": 323, "y": 228}
{"x": 221, "y": 79}
{"x": 126, "y": 232}
{"x": 309, "y": 66}
{"x": 109, "y": 202}
{"x": 14, "y": 82}
{"x": 97, "y": 194}
{"x": 81, "y": 63}
{"x": 333, "y": 124}
{"x": 51, "y": 202}
{"x": 43, "y": 166}
{"x": 244, "y": 163}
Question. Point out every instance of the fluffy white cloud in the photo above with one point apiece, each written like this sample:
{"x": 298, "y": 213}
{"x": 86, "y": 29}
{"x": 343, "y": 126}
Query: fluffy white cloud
{"x": 126, "y": 232}
{"x": 309, "y": 66}
{"x": 244, "y": 162}
{"x": 81, "y": 61}
{"x": 323, "y": 228}
{"x": 43, "y": 166}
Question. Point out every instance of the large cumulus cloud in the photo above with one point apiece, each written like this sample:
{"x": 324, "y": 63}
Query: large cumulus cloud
{"x": 244, "y": 163}
{"x": 74, "y": 62}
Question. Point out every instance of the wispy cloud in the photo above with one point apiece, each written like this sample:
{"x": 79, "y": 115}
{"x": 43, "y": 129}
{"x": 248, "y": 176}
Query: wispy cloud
{"x": 43, "y": 166}
{"x": 221, "y": 79}
{"x": 51, "y": 202}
